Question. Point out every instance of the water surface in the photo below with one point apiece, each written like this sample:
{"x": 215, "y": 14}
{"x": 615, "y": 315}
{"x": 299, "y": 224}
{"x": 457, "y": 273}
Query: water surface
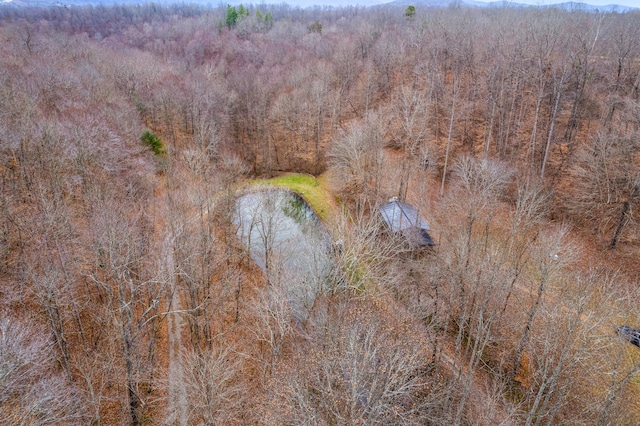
{"x": 288, "y": 242}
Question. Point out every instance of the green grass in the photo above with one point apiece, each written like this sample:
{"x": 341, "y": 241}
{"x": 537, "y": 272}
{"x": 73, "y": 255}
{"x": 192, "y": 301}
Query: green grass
{"x": 314, "y": 191}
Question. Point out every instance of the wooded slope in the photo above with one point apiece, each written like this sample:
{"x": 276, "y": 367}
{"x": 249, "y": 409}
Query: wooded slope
{"x": 126, "y": 297}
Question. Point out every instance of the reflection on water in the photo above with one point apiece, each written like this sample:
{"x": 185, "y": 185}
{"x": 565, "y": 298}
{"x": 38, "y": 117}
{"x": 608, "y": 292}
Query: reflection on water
{"x": 288, "y": 242}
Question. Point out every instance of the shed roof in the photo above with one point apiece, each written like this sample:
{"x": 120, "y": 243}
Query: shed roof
{"x": 417, "y": 237}
{"x": 400, "y": 216}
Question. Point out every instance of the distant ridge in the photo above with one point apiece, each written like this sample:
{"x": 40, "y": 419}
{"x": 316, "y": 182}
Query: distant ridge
{"x": 570, "y": 5}
{"x": 592, "y": 8}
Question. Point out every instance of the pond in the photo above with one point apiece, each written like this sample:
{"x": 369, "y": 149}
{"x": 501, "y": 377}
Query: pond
{"x": 288, "y": 242}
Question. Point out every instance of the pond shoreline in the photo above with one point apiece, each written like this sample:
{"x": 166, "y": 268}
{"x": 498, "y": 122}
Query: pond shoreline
{"x": 288, "y": 241}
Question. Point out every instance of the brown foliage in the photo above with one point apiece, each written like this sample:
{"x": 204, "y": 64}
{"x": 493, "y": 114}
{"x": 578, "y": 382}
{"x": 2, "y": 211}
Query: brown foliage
{"x": 101, "y": 243}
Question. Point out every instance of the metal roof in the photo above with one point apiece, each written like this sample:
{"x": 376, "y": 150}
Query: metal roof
{"x": 400, "y": 216}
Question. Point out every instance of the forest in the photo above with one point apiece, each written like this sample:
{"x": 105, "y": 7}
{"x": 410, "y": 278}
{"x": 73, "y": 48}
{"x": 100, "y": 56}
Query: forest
{"x": 129, "y": 132}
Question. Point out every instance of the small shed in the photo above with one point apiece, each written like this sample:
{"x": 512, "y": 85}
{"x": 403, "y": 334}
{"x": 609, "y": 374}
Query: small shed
{"x": 403, "y": 218}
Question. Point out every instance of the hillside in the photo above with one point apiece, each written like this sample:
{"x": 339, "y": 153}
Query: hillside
{"x": 129, "y": 295}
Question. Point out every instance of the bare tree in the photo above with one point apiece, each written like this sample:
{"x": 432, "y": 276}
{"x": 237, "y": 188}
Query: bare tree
{"x": 607, "y": 177}
{"x": 412, "y": 114}
{"x": 273, "y": 323}
{"x": 567, "y": 351}
{"x": 361, "y": 368}
{"x": 626, "y": 208}
{"x": 133, "y": 295}
{"x": 475, "y": 269}
{"x": 586, "y": 37}
{"x": 94, "y": 374}
{"x": 32, "y": 392}
{"x": 452, "y": 115}
{"x": 363, "y": 254}
{"x": 357, "y": 158}
{"x": 551, "y": 256}
{"x": 213, "y": 394}
{"x": 527, "y": 216}
{"x": 620, "y": 360}
{"x": 558, "y": 82}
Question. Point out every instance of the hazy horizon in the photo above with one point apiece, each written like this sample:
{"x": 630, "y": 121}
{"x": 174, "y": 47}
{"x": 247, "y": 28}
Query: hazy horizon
{"x": 339, "y": 3}
{"x": 629, "y": 3}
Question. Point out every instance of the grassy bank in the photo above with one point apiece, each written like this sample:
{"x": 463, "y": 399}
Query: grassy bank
{"x": 315, "y": 192}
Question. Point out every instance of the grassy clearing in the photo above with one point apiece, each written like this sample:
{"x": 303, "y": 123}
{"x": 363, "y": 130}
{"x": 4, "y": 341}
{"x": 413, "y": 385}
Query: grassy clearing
{"x": 314, "y": 191}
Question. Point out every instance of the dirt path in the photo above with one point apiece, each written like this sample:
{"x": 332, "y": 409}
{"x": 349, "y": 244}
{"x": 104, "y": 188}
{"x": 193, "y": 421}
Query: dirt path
{"x": 177, "y": 393}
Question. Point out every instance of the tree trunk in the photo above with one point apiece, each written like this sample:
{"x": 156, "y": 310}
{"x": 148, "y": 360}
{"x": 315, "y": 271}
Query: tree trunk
{"x": 449, "y": 136}
{"x": 551, "y": 126}
{"x": 525, "y": 336}
{"x": 625, "y": 208}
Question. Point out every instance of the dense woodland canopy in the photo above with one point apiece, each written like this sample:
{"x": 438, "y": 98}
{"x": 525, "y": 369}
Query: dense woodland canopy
{"x": 126, "y": 297}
